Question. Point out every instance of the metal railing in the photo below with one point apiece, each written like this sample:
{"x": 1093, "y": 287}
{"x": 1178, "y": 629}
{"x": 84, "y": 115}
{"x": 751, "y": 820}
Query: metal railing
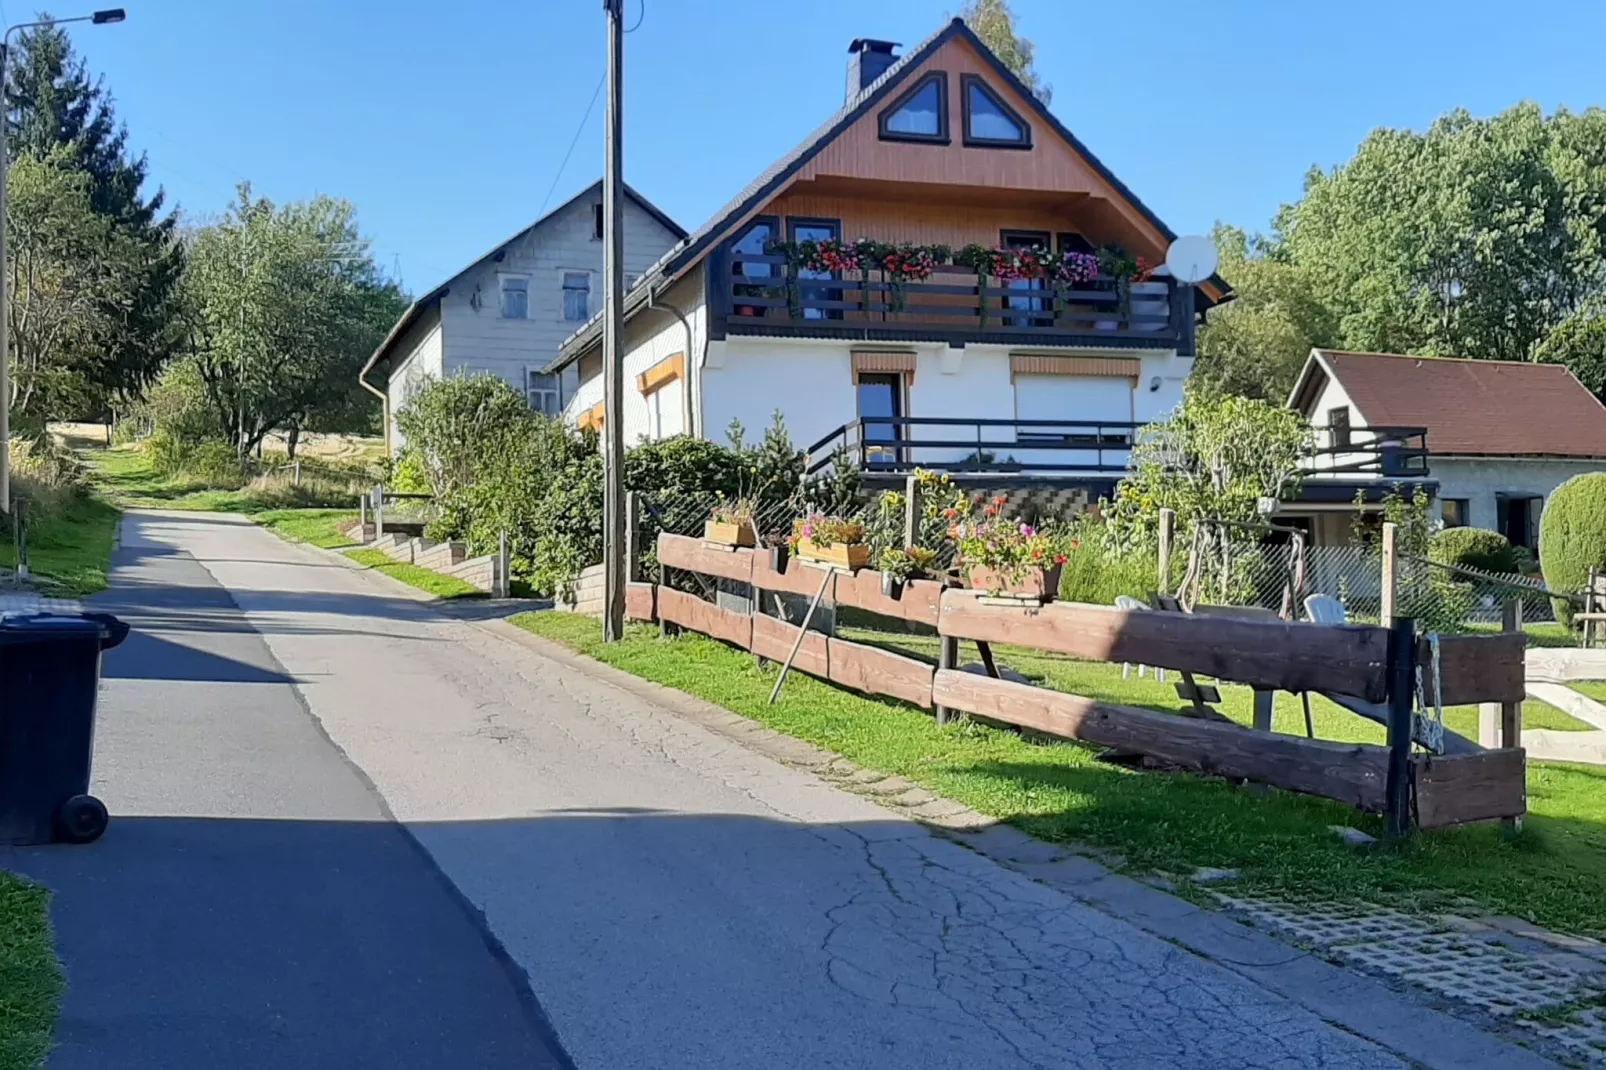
{"x": 1379, "y": 451}
{"x": 956, "y": 444}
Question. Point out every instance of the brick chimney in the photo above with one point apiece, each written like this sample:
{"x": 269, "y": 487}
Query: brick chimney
{"x": 867, "y": 60}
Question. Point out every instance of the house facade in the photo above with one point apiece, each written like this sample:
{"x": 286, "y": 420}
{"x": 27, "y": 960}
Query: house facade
{"x": 959, "y": 365}
{"x": 508, "y": 312}
{"x": 1488, "y": 440}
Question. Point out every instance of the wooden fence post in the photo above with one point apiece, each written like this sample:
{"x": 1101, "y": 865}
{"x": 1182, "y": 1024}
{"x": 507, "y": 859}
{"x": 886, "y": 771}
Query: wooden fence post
{"x": 1168, "y": 525}
{"x": 947, "y": 658}
{"x": 1402, "y": 710}
{"x": 362, "y": 518}
{"x": 1511, "y": 712}
{"x": 379, "y": 512}
{"x": 632, "y": 536}
{"x": 1390, "y": 575}
{"x": 911, "y": 512}
{"x": 296, "y": 478}
{"x": 504, "y": 563}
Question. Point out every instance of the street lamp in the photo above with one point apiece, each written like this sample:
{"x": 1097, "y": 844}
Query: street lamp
{"x": 99, "y": 18}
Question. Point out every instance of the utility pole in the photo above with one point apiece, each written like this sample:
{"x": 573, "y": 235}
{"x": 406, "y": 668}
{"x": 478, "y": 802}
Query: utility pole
{"x": 613, "y": 285}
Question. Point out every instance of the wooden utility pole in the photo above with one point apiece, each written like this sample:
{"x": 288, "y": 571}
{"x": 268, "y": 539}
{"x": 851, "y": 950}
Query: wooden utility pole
{"x": 613, "y": 285}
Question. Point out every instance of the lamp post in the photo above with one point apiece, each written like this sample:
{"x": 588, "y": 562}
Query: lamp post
{"x": 99, "y": 18}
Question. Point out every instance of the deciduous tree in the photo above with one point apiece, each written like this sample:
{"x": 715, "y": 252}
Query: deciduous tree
{"x": 994, "y": 23}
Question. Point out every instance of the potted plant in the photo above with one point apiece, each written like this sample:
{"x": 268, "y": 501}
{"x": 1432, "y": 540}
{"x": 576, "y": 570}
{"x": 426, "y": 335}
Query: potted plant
{"x": 898, "y": 567}
{"x": 1005, "y": 557}
{"x": 731, "y": 524}
{"x": 830, "y": 540}
{"x": 1118, "y": 266}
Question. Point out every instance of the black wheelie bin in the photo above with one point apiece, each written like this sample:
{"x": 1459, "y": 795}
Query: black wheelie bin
{"x": 49, "y": 677}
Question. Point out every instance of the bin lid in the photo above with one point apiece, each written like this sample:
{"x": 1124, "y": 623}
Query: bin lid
{"x": 49, "y": 627}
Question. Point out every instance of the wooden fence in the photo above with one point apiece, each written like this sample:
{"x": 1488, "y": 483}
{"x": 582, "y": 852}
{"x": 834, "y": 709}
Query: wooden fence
{"x": 1370, "y": 664}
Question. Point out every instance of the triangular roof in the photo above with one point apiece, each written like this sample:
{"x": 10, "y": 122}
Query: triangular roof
{"x": 421, "y": 305}
{"x": 1480, "y": 408}
{"x": 774, "y": 178}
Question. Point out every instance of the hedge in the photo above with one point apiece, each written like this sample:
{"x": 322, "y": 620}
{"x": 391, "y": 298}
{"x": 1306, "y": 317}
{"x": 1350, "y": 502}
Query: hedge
{"x": 1477, "y": 548}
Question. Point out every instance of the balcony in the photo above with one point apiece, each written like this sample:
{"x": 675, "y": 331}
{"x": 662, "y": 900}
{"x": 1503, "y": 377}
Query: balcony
{"x": 762, "y": 294}
{"x": 1342, "y": 461}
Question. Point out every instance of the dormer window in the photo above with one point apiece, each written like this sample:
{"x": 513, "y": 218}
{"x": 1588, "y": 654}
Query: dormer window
{"x": 989, "y": 122}
{"x": 921, "y": 114}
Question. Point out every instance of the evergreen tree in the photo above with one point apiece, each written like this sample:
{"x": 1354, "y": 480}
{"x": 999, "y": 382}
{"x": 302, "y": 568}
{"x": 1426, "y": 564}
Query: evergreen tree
{"x": 57, "y": 110}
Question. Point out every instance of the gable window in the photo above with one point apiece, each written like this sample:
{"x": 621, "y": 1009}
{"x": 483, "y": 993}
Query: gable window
{"x": 576, "y": 296}
{"x": 543, "y": 393}
{"x": 596, "y": 222}
{"x": 1338, "y": 426}
{"x": 921, "y": 114}
{"x": 989, "y": 122}
{"x": 515, "y": 297}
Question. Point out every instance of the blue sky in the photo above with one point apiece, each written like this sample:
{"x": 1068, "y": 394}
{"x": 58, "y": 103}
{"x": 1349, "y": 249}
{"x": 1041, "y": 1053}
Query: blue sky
{"x": 445, "y": 123}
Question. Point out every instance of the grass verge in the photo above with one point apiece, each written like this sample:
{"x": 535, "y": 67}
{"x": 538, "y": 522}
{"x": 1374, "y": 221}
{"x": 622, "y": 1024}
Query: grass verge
{"x": 30, "y": 977}
{"x": 436, "y": 584}
{"x": 1172, "y": 822}
{"x": 1594, "y": 689}
{"x": 316, "y": 527}
{"x": 71, "y": 547}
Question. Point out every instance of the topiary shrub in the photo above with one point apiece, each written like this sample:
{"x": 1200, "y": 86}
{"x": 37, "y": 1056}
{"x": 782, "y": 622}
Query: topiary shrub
{"x": 1486, "y": 551}
{"x": 1572, "y": 537}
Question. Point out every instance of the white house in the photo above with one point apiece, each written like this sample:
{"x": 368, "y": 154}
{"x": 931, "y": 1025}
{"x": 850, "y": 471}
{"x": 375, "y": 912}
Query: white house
{"x": 939, "y": 149}
{"x": 507, "y": 312}
{"x": 1488, "y": 439}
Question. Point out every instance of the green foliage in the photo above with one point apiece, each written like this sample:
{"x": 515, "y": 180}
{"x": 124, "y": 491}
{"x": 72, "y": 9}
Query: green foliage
{"x": 462, "y": 429}
{"x": 1098, "y": 569}
{"x": 1572, "y": 537}
{"x": 1256, "y": 344}
{"x": 1476, "y": 238}
{"x": 994, "y": 23}
{"x": 679, "y": 468}
{"x": 567, "y": 521}
{"x": 209, "y": 463}
{"x": 282, "y": 304}
{"x": 1486, "y": 551}
{"x": 1213, "y": 458}
{"x": 1579, "y": 342}
{"x": 1413, "y": 534}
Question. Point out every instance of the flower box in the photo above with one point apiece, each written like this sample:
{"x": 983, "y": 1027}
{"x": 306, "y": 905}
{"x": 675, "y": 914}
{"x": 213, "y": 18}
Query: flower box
{"x": 1036, "y": 584}
{"x": 727, "y": 534}
{"x": 842, "y": 555}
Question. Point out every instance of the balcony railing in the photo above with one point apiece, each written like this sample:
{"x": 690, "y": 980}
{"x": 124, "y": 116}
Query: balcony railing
{"x": 940, "y": 444}
{"x": 900, "y": 444}
{"x": 765, "y": 291}
{"x": 1391, "y": 452}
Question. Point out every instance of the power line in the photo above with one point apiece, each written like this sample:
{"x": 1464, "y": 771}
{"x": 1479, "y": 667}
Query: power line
{"x": 578, "y": 131}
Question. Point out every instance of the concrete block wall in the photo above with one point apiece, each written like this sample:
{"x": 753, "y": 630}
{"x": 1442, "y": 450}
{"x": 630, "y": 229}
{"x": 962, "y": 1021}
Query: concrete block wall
{"x": 477, "y": 572}
{"x": 440, "y": 556}
{"x": 447, "y": 558}
{"x": 588, "y": 594}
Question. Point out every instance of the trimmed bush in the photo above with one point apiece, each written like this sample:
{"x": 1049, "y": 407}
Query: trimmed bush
{"x": 1486, "y": 551}
{"x": 1572, "y": 537}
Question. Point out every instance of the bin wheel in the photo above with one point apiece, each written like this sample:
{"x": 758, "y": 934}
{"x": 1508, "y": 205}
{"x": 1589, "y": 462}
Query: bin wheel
{"x": 82, "y": 819}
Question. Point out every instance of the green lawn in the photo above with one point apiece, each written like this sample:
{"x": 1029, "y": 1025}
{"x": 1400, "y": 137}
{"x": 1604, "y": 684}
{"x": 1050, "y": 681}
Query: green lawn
{"x": 72, "y": 547}
{"x": 316, "y": 527}
{"x": 1551, "y": 872}
{"x": 126, "y": 477}
{"x": 30, "y": 977}
{"x": 436, "y": 584}
{"x": 1594, "y": 689}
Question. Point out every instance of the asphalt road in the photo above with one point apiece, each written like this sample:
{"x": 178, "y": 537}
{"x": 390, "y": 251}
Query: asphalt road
{"x": 325, "y": 793}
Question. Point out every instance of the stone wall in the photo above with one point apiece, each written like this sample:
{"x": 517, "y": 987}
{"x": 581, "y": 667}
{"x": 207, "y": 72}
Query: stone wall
{"x": 588, "y": 594}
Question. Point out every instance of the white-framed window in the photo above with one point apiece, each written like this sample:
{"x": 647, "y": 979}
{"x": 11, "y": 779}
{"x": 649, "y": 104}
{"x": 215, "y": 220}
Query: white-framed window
{"x": 576, "y": 296}
{"x": 664, "y": 417}
{"x": 543, "y": 393}
{"x": 515, "y": 297}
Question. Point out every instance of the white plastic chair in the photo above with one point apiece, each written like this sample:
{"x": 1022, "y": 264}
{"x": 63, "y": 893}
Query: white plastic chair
{"x": 1321, "y": 609}
{"x": 1134, "y": 605}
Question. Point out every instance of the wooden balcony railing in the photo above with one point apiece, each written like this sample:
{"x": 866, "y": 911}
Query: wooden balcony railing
{"x": 765, "y": 291}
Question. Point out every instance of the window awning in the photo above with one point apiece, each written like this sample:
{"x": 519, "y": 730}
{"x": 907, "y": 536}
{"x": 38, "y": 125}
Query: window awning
{"x": 1039, "y": 364}
{"x": 882, "y": 362}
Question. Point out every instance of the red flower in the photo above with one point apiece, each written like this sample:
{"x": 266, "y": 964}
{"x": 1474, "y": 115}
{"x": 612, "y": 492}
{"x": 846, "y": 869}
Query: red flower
{"x": 1059, "y": 559}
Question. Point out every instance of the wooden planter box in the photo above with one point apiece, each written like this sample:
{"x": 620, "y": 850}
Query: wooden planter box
{"x": 729, "y": 534}
{"x": 1038, "y": 584}
{"x": 855, "y": 556}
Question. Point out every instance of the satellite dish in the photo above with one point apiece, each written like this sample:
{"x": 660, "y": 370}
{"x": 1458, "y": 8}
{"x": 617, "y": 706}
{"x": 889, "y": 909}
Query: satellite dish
{"x": 1191, "y": 258}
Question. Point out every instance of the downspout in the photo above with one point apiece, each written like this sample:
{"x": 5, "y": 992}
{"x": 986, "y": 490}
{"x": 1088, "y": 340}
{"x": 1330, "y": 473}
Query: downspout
{"x": 691, "y": 397}
{"x": 384, "y": 398}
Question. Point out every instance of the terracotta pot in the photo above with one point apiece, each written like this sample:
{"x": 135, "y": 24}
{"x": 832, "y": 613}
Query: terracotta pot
{"x": 1041, "y": 584}
{"x": 842, "y": 555}
{"x": 729, "y": 534}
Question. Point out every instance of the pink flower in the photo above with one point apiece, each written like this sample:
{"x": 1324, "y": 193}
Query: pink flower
{"x": 1027, "y": 530}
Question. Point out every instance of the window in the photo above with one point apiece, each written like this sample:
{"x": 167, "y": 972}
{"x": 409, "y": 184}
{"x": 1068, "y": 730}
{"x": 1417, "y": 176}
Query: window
{"x": 576, "y": 296}
{"x": 816, "y": 230}
{"x": 921, "y": 114}
{"x": 1028, "y": 239}
{"x": 543, "y": 393}
{"x": 989, "y": 122}
{"x": 596, "y": 222}
{"x": 515, "y": 297}
{"x": 1338, "y": 426}
{"x": 1515, "y": 517}
{"x": 751, "y": 243}
{"x": 1455, "y": 511}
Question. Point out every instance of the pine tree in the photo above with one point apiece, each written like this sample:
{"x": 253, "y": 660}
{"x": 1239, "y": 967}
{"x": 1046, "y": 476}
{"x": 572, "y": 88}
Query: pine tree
{"x": 55, "y": 104}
